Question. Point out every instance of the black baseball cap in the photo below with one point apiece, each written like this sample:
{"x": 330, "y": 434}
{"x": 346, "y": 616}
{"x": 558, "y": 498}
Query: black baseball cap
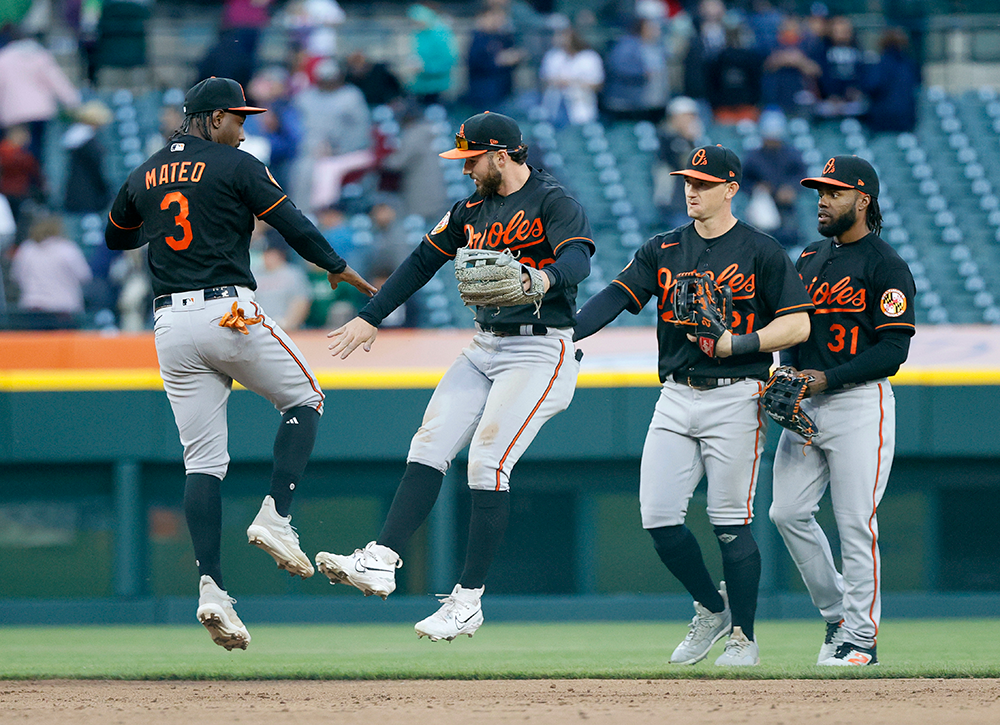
{"x": 214, "y": 94}
{"x": 485, "y": 132}
{"x": 712, "y": 163}
{"x": 847, "y": 172}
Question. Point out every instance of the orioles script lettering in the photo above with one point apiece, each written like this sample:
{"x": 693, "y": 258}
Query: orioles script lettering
{"x": 840, "y": 295}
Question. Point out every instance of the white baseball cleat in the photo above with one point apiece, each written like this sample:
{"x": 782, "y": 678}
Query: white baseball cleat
{"x": 461, "y": 612}
{"x": 276, "y": 535}
{"x": 834, "y": 638}
{"x": 852, "y": 655}
{"x": 215, "y": 611}
{"x": 740, "y": 651}
{"x": 372, "y": 569}
{"x": 705, "y": 629}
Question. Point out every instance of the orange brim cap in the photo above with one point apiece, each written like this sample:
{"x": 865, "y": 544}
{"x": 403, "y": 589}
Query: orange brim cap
{"x": 815, "y": 182}
{"x": 459, "y": 154}
{"x": 247, "y": 109}
{"x": 696, "y": 175}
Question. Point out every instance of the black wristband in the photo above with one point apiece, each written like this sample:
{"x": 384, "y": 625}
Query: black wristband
{"x": 746, "y": 344}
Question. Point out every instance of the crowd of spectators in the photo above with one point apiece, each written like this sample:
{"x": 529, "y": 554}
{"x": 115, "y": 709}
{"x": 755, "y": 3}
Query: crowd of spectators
{"x": 352, "y": 134}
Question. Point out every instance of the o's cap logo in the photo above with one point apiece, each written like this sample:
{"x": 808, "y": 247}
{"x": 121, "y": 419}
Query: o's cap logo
{"x": 830, "y": 167}
{"x": 893, "y": 303}
{"x": 700, "y": 159}
{"x": 443, "y": 224}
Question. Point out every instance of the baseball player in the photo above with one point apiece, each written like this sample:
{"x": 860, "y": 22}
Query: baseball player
{"x": 863, "y": 293}
{"x": 707, "y": 420}
{"x": 519, "y": 370}
{"x": 194, "y": 203}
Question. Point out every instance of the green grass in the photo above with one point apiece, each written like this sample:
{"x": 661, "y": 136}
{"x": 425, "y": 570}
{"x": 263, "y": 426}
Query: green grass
{"x": 907, "y": 648}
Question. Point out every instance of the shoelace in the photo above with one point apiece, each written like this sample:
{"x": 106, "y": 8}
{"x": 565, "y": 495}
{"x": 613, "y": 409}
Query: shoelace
{"x": 699, "y": 625}
{"x": 737, "y": 645}
{"x": 831, "y": 631}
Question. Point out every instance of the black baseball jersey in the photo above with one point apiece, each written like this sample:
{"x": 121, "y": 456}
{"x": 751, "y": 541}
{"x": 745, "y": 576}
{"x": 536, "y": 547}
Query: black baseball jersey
{"x": 762, "y": 278}
{"x": 861, "y": 290}
{"x": 194, "y": 203}
{"x": 533, "y": 223}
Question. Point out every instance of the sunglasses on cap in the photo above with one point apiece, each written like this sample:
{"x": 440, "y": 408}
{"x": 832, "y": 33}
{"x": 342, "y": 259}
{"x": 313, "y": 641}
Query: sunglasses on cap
{"x": 463, "y": 144}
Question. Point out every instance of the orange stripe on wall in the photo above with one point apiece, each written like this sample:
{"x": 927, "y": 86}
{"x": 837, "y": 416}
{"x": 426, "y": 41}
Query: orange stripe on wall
{"x": 74, "y": 349}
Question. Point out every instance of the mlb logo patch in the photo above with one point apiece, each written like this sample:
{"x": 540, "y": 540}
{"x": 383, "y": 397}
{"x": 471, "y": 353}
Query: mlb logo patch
{"x": 176, "y": 147}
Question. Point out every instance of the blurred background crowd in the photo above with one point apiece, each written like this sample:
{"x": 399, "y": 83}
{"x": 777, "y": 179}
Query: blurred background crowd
{"x": 361, "y": 97}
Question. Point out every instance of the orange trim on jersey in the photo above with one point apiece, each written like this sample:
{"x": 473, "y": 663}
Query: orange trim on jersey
{"x": 828, "y": 310}
{"x": 806, "y": 254}
{"x": 801, "y": 308}
{"x": 907, "y": 325}
{"x": 552, "y": 380}
{"x": 126, "y": 229}
{"x": 756, "y": 456}
{"x": 573, "y": 239}
{"x": 631, "y": 294}
{"x": 878, "y": 471}
{"x": 272, "y": 206}
{"x": 305, "y": 371}
{"x": 428, "y": 238}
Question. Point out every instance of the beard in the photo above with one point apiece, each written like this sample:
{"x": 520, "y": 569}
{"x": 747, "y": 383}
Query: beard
{"x": 490, "y": 183}
{"x": 837, "y": 226}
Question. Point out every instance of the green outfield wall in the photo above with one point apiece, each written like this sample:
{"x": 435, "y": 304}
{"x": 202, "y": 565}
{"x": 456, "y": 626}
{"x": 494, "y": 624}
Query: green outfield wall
{"x": 90, "y": 499}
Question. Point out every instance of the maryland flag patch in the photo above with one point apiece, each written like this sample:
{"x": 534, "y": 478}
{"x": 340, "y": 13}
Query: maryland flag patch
{"x": 893, "y": 303}
{"x": 442, "y": 225}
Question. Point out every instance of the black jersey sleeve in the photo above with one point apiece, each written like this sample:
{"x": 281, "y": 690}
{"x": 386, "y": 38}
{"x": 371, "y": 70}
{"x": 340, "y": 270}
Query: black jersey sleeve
{"x": 894, "y": 292}
{"x": 123, "y": 230}
{"x": 448, "y": 236}
{"x": 303, "y": 236}
{"x": 572, "y": 265}
{"x": 879, "y": 361}
{"x": 566, "y": 222}
{"x": 780, "y": 284}
{"x": 639, "y": 277}
{"x": 414, "y": 272}
{"x": 269, "y": 203}
{"x": 600, "y": 310}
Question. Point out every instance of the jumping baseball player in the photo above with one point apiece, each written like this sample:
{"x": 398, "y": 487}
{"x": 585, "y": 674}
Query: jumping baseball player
{"x": 863, "y": 293}
{"x": 519, "y": 370}
{"x": 707, "y": 420}
{"x": 194, "y": 203}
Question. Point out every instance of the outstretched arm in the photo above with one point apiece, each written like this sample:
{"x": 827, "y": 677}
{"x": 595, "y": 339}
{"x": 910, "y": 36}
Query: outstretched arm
{"x": 600, "y": 310}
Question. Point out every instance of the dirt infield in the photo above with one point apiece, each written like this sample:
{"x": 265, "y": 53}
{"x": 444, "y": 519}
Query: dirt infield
{"x": 553, "y": 702}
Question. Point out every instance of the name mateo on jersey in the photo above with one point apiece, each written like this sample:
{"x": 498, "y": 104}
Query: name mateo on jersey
{"x": 838, "y": 297}
{"x": 182, "y": 171}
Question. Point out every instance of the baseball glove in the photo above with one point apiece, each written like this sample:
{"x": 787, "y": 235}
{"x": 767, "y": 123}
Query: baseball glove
{"x": 236, "y": 319}
{"x": 782, "y": 400}
{"x": 493, "y": 279}
{"x": 700, "y": 302}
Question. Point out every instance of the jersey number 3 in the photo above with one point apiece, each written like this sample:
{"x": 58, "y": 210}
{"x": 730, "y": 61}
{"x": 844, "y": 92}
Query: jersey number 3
{"x": 181, "y": 220}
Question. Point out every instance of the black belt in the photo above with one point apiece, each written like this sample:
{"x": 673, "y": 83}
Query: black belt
{"x": 701, "y": 383}
{"x": 212, "y": 293}
{"x": 512, "y": 330}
